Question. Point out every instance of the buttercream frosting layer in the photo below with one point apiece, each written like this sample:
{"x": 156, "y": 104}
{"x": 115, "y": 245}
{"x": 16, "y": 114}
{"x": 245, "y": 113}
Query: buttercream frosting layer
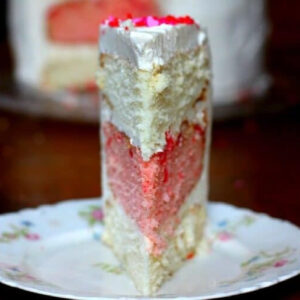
{"x": 146, "y": 47}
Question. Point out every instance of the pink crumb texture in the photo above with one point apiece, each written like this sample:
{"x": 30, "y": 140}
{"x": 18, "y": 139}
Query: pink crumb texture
{"x": 150, "y": 21}
{"x": 152, "y": 192}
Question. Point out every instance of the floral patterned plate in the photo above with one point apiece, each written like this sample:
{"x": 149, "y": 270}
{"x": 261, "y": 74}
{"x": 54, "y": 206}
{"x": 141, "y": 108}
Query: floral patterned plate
{"x": 56, "y": 250}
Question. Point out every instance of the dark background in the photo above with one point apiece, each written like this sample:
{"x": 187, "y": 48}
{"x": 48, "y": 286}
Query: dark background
{"x": 3, "y": 20}
{"x": 255, "y": 159}
{"x": 5, "y": 60}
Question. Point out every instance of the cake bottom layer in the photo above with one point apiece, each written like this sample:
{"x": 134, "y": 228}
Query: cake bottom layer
{"x": 149, "y": 272}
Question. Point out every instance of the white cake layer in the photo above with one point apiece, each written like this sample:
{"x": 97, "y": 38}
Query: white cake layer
{"x": 237, "y": 32}
{"x": 146, "y": 104}
{"x": 37, "y": 58}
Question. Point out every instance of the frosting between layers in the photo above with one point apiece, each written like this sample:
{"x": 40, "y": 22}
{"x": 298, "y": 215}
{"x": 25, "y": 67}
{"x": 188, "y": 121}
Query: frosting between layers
{"x": 145, "y": 47}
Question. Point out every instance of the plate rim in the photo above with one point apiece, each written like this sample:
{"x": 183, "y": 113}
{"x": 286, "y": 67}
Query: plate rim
{"x": 235, "y": 292}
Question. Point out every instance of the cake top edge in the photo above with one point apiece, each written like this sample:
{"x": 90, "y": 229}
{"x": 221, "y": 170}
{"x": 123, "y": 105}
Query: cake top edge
{"x": 148, "y": 46}
{"x": 148, "y": 21}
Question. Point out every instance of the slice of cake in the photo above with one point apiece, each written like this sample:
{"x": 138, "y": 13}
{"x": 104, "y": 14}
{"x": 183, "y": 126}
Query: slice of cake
{"x": 155, "y": 78}
{"x": 55, "y": 41}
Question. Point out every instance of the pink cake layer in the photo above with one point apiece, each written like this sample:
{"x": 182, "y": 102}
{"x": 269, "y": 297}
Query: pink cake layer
{"x": 152, "y": 192}
{"x": 77, "y": 21}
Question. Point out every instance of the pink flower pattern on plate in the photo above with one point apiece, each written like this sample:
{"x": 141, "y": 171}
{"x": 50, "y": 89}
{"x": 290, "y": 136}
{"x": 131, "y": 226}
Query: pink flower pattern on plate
{"x": 263, "y": 261}
{"x": 98, "y": 214}
{"x": 225, "y": 236}
{"x": 280, "y": 263}
{"x": 18, "y": 232}
{"x": 93, "y": 214}
{"x": 32, "y": 237}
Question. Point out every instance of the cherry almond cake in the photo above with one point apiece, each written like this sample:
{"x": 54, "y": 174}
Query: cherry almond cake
{"x": 155, "y": 78}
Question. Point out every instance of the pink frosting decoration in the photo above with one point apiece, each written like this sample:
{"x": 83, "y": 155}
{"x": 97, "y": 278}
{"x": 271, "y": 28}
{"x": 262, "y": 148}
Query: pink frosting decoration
{"x": 150, "y": 21}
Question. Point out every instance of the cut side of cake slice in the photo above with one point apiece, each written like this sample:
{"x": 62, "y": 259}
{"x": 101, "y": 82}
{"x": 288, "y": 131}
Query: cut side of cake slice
{"x": 155, "y": 79}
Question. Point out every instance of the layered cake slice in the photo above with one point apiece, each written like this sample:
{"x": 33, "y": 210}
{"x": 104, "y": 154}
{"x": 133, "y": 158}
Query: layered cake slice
{"x": 155, "y": 78}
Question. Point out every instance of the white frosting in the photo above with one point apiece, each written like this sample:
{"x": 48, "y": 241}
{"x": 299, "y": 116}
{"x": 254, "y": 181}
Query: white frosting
{"x": 145, "y": 47}
{"x": 28, "y": 37}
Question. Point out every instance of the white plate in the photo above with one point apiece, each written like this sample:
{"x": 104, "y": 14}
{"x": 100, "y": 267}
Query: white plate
{"x": 56, "y": 250}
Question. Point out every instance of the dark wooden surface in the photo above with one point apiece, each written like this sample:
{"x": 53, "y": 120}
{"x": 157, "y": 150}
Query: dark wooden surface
{"x": 255, "y": 160}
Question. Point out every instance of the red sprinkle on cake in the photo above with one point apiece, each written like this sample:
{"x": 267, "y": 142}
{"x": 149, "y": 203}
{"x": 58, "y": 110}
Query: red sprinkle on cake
{"x": 151, "y": 21}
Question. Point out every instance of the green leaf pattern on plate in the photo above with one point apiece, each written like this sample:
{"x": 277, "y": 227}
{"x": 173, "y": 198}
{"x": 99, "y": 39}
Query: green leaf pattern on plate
{"x": 117, "y": 270}
{"x": 15, "y": 273}
{"x": 16, "y": 232}
{"x": 263, "y": 261}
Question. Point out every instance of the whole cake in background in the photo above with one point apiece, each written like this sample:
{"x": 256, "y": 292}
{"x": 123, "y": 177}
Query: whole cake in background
{"x": 55, "y": 41}
{"x": 237, "y": 30}
{"x": 155, "y": 78}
